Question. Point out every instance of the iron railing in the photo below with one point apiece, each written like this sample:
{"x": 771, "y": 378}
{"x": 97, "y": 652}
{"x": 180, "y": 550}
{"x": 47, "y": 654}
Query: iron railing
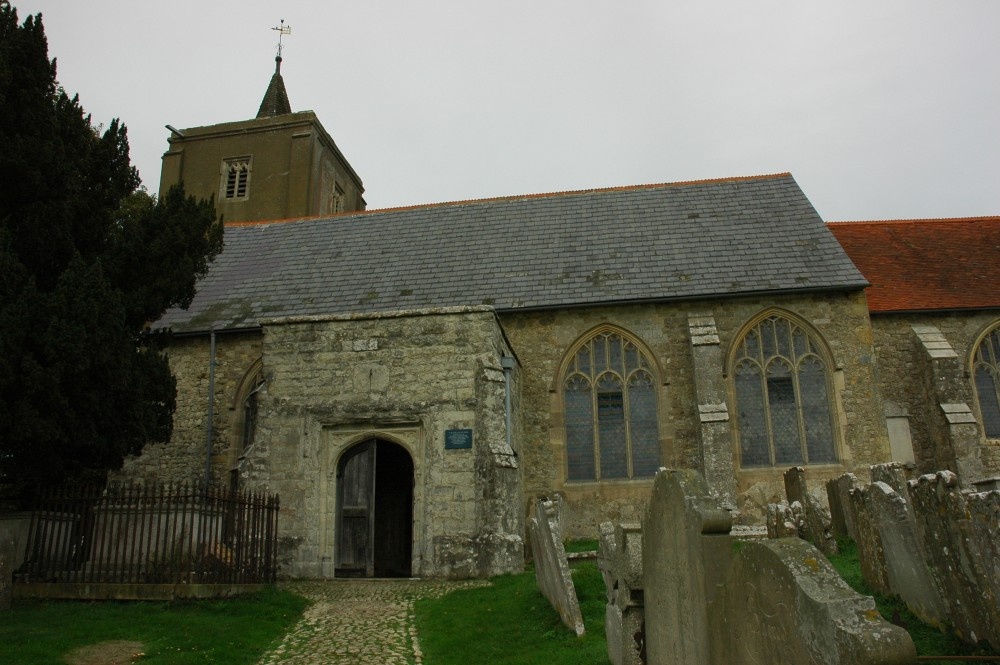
{"x": 152, "y": 534}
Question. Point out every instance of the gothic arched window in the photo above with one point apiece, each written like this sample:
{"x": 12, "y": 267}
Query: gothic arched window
{"x": 783, "y": 396}
{"x": 609, "y": 399}
{"x": 986, "y": 373}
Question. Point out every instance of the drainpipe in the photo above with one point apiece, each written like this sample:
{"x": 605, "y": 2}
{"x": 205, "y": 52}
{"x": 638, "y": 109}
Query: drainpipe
{"x": 211, "y": 412}
{"x": 507, "y": 362}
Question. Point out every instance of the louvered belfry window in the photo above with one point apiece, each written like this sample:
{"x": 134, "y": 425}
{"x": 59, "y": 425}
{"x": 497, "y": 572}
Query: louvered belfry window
{"x": 609, "y": 401}
{"x": 236, "y": 178}
{"x": 986, "y": 370}
{"x": 783, "y": 397}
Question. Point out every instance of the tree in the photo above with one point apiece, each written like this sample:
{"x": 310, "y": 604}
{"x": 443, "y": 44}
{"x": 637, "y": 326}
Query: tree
{"x": 87, "y": 260}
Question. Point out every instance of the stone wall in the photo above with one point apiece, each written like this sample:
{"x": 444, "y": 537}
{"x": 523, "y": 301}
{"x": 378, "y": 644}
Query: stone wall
{"x": 407, "y": 379}
{"x": 903, "y": 381}
{"x": 543, "y": 338}
{"x": 183, "y": 458}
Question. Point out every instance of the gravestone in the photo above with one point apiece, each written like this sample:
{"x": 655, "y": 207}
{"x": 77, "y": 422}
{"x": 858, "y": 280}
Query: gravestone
{"x": 815, "y": 525}
{"x": 984, "y": 519}
{"x": 624, "y": 618}
{"x": 784, "y": 604}
{"x": 841, "y": 513}
{"x": 871, "y": 555}
{"x": 906, "y": 569}
{"x": 551, "y": 567}
{"x": 773, "y": 602}
{"x": 955, "y": 556}
{"x": 783, "y": 520}
{"x": 686, "y": 554}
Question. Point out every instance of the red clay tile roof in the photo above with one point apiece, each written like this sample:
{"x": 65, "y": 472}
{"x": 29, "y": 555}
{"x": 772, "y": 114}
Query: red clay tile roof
{"x": 926, "y": 264}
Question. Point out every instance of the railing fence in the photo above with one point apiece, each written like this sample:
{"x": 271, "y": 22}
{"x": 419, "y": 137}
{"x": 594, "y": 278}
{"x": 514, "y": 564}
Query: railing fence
{"x": 152, "y": 534}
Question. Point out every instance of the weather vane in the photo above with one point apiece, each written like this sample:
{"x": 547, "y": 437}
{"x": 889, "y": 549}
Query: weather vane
{"x": 282, "y": 31}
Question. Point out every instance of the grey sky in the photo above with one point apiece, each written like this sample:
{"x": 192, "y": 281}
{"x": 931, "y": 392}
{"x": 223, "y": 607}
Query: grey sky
{"x": 880, "y": 109}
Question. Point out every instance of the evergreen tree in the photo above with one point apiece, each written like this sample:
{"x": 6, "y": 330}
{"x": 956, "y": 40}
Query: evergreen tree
{"x": 87, "y": 260}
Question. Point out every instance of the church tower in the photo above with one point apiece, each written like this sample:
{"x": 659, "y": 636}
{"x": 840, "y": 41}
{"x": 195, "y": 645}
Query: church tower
{"x": 278, "y": 165}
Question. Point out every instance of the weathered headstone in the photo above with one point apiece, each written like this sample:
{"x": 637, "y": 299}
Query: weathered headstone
{"x": 785, "y": 604}
{"x": 686, "y": 554}
{"x": 892, "y": 474}
{"x": 955, "y": 557}
{"x": 783, "y": 520}
{"x": 984, "y": 522}
{"x": 841, "y": 513}
{"x": 624, "y": 617}
{"x": 551, "y": 567}
{"x": 777, "y": 602}
{"x": 906, "y": 569}
{"x": 815, "y": 525}
{"x": 871, "y": 555}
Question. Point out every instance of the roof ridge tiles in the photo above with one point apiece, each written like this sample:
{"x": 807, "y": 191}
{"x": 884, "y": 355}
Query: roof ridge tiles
{"x": 916, "y": 220}
{"x": 516, "y": 197}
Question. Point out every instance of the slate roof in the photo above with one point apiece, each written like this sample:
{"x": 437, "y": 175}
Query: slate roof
{"x": 926, "y": 264}
{"x": 676, "y": 241}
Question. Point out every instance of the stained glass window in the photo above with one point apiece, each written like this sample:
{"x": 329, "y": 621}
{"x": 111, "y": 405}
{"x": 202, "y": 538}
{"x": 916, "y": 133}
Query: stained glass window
{"x": 782, "y": 397}
{"x": 609, "y": 402}
{"x": 986, "y": 370}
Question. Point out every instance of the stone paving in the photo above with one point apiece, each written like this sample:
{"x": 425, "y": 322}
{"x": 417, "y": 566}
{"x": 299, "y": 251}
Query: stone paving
{"x": 358, "y": 622}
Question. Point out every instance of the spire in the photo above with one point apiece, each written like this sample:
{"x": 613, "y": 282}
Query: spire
{"x": 275, "y": 100}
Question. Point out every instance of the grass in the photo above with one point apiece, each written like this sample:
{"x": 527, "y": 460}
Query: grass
{"x": 228, "y": 632}
{"x": 510, "y": 622}
{"x": 928, "y": 640}
{"x": 581, "y": 546}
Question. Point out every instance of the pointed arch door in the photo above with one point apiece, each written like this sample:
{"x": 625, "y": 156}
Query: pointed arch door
{"x": 374, "y": 511}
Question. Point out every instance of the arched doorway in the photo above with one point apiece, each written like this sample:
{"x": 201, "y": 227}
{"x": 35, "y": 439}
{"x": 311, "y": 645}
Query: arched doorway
{"x": 374, "y": 511}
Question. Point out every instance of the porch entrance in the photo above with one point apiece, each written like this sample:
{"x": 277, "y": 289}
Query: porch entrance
{"x": 374, "y": 511}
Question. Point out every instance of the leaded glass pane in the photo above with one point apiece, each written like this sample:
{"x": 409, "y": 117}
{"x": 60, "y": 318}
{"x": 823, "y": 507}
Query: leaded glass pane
{"x": 753, "y": 425}
{"x": 615, "y": 351}
{"x": 643, "y": 431}
{"x": 600, "y": 354}
{"x": 767, "y": 337}
{"x": 611, "y": 427}
{"x": 784, "y": 338}
{"x": 816, "y": 415}
{"x": 989, "y": 408}
{"x": 784, "y": 418}
{"x": 631, "y": 357}
{"x": 578, "y": 404}
{"x": 800, "y": 343}
{"x": 583, "y": 362}
{"x": 751, "y": 345}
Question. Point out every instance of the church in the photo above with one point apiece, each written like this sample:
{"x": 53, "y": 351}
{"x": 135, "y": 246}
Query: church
{"x": 408, "y": 380}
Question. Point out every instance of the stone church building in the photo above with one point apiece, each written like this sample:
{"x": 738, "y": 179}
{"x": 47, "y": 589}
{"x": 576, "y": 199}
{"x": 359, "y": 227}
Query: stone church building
{"x": 408, "y": 380}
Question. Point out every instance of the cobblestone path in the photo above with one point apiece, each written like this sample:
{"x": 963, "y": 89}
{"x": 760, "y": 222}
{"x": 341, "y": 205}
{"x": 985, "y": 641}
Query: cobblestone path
{"x": 358, "y": 621}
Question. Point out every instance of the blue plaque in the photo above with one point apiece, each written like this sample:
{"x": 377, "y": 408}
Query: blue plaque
{"x": 457, "y": 439}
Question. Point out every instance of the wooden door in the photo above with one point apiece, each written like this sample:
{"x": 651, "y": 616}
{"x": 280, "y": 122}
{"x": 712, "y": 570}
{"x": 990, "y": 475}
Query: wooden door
{"x": 356, "y": 511}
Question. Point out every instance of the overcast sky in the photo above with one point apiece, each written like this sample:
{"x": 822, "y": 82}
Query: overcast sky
{"x": 881, "y": 109}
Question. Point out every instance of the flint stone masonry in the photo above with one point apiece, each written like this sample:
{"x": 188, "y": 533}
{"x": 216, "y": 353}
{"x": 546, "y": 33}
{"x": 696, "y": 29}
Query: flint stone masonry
{"x": 551, "y": 567}
{"x": 958, "y": 543}
{"x": 906, "y": 569}
{"x": 713, "y": 414}
{"x": 542, "y": 339}
{"x": 841, "y": 511}
{"x": 955, "y": 427}
{"x": 621, "y": 564}
{"x": 907, "y": 378}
